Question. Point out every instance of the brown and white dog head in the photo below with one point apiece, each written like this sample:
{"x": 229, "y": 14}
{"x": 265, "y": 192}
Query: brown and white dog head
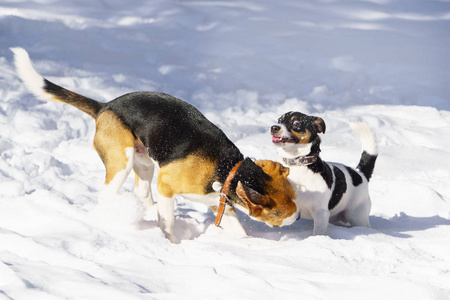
{"x": 296, "y": 134}
{"x": 277, "y": 206}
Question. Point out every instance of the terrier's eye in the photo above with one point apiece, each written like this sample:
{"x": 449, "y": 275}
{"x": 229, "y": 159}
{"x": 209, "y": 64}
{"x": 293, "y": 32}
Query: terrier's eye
{"x": 296, "y": 124}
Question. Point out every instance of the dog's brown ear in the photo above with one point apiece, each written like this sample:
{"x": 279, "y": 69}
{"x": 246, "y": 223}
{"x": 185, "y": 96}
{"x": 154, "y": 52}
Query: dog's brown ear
{"x": 273, "y": 168}
{"x": 285, "y": 171}
{"x": 319, "y": 123}
{"x": 254, "y": 200}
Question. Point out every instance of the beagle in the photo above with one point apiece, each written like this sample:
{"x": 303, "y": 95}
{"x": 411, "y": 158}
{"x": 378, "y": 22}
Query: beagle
{"x": 141, "y": 130}
{"x": 327, "y": 192}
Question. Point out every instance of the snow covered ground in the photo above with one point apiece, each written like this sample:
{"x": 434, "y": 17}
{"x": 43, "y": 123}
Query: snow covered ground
{"x": 242, "y": 63}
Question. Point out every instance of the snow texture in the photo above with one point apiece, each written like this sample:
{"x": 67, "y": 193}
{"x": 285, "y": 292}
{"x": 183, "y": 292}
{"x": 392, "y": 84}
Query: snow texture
{"x": 243, "y": 64}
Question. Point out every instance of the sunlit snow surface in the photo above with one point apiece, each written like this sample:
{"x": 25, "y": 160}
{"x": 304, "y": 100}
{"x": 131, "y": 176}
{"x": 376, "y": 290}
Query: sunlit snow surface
{"x": 243, "y": 64}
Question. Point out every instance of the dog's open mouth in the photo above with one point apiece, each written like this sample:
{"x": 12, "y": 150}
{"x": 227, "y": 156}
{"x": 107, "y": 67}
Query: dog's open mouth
{"x": 277, "y": 140}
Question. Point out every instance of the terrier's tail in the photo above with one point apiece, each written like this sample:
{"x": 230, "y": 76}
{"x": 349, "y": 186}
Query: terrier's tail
{"x": 48, "y": 91}
{"x": 369, "y": 147}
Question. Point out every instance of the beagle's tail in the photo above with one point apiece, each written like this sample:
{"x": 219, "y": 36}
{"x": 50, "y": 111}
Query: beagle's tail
{"x": 48, "y": 91}
{"x": 369, "y": 147}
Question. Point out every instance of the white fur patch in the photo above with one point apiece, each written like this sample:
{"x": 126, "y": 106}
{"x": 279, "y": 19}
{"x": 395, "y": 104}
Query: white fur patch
{"x": 293, "y": 218}
{"x": 290, "y": 150}
{"x": 29, "y": 75}
{"x": 166, "y": 215}
{"x": 145, "y": 168}
{"x": 366, "y": 136}
{"x": 283, "y": 132}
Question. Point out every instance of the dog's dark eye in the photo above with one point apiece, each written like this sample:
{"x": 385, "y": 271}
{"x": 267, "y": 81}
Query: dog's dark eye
{"x": 296, "y": 124}
{"x": 280, "y": 119}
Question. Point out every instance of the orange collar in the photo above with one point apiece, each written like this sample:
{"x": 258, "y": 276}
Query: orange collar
{"x": 224, "y": 193}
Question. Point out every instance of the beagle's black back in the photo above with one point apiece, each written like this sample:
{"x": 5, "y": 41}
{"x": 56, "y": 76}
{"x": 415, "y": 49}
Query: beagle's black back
{"x": 171, "y": 129}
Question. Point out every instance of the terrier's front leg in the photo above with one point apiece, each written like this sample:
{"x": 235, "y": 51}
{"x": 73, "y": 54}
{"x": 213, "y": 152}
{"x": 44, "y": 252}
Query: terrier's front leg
{"x": 321, "y": 220}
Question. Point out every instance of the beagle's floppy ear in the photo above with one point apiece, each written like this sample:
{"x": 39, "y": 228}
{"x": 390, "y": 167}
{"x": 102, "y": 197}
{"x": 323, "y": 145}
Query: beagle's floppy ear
{"x": 319, "y": 124}
{"x": 254, "y": 200}
{"x": 284, "y": 171}
{"x": 273, "y": 168}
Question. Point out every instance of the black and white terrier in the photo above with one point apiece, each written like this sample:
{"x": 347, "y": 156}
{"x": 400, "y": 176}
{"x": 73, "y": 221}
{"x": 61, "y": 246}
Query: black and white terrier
{"x": 326, "y": 192}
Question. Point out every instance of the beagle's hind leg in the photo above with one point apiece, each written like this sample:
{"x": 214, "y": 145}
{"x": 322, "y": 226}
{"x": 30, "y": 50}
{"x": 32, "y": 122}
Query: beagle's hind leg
{"x": 114, "y": 144}
{"x": 144, "y": 169}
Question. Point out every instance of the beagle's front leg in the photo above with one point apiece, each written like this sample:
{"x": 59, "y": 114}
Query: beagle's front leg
{"x": 230, "y": 222}
{"x": 166, "y": 215}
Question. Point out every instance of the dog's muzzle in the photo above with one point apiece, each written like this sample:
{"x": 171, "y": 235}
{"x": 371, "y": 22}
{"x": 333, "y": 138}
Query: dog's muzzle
{"x": 275, "y": 129}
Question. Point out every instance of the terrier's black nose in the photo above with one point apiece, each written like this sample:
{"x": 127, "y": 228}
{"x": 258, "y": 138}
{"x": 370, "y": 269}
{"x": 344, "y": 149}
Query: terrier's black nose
{"x": 275, "y": 128}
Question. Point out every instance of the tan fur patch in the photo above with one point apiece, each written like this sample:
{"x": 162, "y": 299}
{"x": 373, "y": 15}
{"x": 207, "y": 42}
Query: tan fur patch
{"x": 320, "y": 125}
{"x": 303, "y": 138}
{"x": 190, "y": 175}
{"x": 280, "y": 191}
{"x": 110, "y": 141}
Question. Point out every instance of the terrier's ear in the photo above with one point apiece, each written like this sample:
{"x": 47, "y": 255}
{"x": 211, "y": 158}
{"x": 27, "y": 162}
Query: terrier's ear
{"x": 319, "y": 123}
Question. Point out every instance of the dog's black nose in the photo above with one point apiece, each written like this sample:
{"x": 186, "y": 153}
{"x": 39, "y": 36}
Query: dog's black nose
{"x": 275, "y": 128}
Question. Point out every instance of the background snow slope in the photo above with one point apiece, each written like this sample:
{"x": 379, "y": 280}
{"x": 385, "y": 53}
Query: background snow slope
{"x": 242, "y": 63}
